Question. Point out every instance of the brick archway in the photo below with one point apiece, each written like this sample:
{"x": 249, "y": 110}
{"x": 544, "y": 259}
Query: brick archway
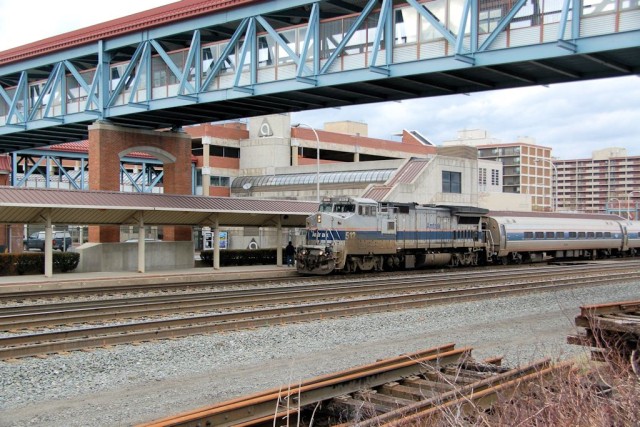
{"x": 108, "y": 143}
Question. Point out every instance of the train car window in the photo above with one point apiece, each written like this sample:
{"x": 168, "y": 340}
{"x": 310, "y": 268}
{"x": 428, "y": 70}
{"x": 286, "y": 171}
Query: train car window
{"x": 560, "y": 235}
{"x": 573, "y": 234}
{"x": 539, "y": 235}
{"x": 391, "y": 226}
{"x": 344, "y": 208}
{"x": 550, "y": 235}
{"x": 528, "y": 235}
{"x": 607, "y": 235}
{"x": 582, "y": 235}
{"x": 590, "y": 235}
{"x": 598, "y": 234}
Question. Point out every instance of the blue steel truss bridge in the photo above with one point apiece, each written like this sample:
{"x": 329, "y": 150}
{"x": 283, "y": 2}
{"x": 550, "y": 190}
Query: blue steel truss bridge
{"x": 235, "y": 59}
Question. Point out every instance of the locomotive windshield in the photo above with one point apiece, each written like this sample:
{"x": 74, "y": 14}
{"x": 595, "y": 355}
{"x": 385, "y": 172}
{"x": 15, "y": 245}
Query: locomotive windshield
{"x": 337, "y": 207}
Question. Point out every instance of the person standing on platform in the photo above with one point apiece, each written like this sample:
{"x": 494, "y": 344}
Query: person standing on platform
{"x": 289, "y": 252}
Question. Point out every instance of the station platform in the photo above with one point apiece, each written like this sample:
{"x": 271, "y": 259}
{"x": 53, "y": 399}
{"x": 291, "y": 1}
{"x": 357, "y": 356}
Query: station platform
{"x": 71, "y": 280}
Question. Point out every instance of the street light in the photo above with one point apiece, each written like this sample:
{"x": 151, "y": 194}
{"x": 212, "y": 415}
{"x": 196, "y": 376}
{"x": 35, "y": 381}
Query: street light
{"x": 554, "y": 200}
{"x": 629, "y": 203}
{"x": 617, "y": 200}
{"x": 297, "y": 125}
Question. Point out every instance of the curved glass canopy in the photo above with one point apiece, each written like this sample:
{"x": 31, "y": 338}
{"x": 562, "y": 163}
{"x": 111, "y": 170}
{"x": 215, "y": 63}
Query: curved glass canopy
{"x": 371, "y": 176}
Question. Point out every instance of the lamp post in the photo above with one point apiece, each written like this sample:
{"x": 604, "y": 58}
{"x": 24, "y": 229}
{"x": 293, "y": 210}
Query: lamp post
{"x": 297, "y": 125}
{"x": 554, "y": 199}
{"x": 617, "y": 200}
{"x": 629, "y": 202}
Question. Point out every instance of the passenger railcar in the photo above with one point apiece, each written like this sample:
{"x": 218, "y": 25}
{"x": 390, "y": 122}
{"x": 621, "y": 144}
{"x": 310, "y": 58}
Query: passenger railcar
{"x": 633, "y": 238}
{"x": 529, "y": 236}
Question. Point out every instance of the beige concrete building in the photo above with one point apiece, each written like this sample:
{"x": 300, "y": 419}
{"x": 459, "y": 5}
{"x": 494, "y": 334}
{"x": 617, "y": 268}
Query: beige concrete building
{"x": 527, "y": 168}
{"x": 607, "y": 182}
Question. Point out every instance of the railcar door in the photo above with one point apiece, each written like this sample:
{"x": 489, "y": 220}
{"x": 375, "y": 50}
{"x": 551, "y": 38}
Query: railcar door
{"x": 503, "y": 237}
{"x": 387, "y": 224}
{"x": 444, "y": 230}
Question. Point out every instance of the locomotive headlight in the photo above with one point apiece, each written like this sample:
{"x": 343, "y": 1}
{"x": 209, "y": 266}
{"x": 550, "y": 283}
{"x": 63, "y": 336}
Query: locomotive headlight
{"x": 303, "y": 252}
{"x": 321, "y": 253}
{"x": 319, "y": 218}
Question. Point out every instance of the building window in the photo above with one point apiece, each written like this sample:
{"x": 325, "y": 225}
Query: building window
{"x": 219, "y": 181}
{"x": 221, "y": 151}
{"x": 214, "y": 181}
{"x": 495, "y": 177}
{"x": 451, "y": 182}
{"x": 482, "y": 176}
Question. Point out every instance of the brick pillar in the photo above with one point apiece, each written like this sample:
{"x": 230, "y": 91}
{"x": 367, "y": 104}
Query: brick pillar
{"x": 107, "y": 143}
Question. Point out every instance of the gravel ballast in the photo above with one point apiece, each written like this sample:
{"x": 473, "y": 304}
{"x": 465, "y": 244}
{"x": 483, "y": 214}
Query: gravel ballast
{"x": 130, "y": 384}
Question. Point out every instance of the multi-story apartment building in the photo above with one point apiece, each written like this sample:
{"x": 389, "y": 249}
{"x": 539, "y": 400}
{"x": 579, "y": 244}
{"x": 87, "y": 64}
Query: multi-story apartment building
{"x": 607, "y": 182}
{"x": 527, "y": 168}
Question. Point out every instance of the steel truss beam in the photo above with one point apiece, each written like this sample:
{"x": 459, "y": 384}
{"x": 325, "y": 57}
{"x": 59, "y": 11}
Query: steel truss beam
{"x": 37, "y": 163}
{"x": 29, "y": 103}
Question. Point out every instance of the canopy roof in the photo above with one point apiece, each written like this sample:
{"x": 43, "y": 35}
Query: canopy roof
{"x": 30, "y": 206}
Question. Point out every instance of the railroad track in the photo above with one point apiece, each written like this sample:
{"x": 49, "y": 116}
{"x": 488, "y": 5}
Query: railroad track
{"x": 384, "y": 393}
{"x": 165, "y": 285}
{"x": 90, "y": 337}
{"x": 160, "y": 285}
{"x": 86, "y": 312}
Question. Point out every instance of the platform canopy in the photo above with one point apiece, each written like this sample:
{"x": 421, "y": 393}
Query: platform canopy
{"x": 33, "y": 206}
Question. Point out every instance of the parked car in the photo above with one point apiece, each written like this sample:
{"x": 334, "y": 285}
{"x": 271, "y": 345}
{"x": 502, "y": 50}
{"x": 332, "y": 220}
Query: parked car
{"x": 61, "y": 241}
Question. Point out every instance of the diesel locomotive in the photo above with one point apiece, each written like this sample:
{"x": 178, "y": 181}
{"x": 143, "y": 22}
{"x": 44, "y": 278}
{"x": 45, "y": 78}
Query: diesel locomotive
{"x": 350, "y": 234}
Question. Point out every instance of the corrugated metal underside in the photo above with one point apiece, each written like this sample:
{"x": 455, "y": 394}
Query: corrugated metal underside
{"x": 26, "y": 206}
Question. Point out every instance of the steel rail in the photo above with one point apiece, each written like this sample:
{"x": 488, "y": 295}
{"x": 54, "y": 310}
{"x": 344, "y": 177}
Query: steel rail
{"x": 156, "y": 283}
{"x": 91, "y": 311}
{"x": 482, "y": 398}
{"x": 349, "y": 382}
{"x": 77, "y": 339}
{"x": 166, "y": 286}
{"x": 290, "y": 401}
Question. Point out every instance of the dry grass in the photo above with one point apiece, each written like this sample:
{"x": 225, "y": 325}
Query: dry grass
{"x": 603, "y": 394}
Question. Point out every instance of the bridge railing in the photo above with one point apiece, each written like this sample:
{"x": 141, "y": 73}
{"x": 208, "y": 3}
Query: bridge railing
{"x": 420, "y": 32}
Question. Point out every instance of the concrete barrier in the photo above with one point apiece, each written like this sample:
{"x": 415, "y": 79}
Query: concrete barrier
{"x": 124, "y": 256}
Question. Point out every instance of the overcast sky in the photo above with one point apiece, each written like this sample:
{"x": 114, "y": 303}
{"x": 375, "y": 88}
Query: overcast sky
{"x": 572, "y": 118}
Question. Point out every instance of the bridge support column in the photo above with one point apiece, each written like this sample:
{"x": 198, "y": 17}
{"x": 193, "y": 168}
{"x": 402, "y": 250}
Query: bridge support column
{"x": 109, "y": 143}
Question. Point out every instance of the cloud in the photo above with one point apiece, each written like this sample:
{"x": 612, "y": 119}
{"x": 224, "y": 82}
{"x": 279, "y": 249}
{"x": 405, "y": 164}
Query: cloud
{"x": 572, "y": 118}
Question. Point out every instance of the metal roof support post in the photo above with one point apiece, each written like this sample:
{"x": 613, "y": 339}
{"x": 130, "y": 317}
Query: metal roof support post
{"x": 48, "y": 244}
{"x": 141, "y": 243}
{"x": 216, "y": 243}
{"x": 279, "y": 242}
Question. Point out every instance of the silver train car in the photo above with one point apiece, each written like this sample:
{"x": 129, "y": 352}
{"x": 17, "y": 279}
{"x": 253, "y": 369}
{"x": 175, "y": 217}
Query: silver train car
{"x": 530, "y": 236}
{"x": 356, "y": 234}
